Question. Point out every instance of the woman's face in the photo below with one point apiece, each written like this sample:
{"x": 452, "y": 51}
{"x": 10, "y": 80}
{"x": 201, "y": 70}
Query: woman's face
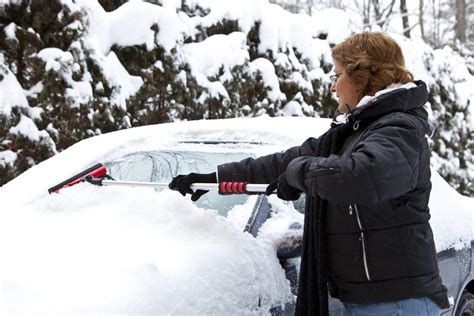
{"x": 345, "y": 89}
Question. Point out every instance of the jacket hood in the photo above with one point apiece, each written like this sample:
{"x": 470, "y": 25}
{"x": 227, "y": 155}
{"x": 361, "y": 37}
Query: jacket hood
{"x": 399, "y": 100}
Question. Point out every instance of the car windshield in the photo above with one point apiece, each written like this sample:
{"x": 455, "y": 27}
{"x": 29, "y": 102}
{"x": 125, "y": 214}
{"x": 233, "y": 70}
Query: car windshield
{"x": 162, "y": 166}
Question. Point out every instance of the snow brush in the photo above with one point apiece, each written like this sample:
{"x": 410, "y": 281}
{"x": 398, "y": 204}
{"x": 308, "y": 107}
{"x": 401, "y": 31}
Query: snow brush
{"x": 97, "y": 175}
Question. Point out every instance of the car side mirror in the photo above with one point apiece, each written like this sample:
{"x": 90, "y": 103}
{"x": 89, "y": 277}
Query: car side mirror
{"x": 290, "y": 245}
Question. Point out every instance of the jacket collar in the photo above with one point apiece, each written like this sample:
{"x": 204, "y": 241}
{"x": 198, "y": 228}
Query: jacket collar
{"x": 390, "y": 88}
{"x": 405, "y": 98}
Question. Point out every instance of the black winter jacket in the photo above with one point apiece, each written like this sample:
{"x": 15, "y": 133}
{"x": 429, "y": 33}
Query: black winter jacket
{"x": 380, "y": 246}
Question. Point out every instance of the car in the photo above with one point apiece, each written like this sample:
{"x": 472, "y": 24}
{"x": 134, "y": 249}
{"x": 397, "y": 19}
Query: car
{"x": 228, "y": 254}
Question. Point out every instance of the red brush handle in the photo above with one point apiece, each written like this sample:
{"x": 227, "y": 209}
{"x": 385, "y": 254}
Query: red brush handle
{"x": 233, "y": 187}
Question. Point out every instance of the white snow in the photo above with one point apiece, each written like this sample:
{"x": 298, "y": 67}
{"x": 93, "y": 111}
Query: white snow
{"x": 117, "y": 75}
{"x": 106, "y": 251}
{"x": 246, "y": 12}
{"x": 228, "y": 51}
{"x": 11, "y": 92}
{"x": 10, "y": 30}
{"x": 452, "y": 71}
{"x": 131, "y": 24}
{"x": 269, "y": 78}
{"x": 27, "y": 127}
{"x": 336, "y": 23}
{"x": 7, "y": 157}
{"x": 452, "y": 215}
{"x": 442, "y": 65}
{"x": 292, "y": 108}
{"x": 80, "y": 92}
{"x": 276, "y": 229}
{"x": 280, "y": 30}
{"x": 33, "y": 92}
{"x": 55, "y": 58}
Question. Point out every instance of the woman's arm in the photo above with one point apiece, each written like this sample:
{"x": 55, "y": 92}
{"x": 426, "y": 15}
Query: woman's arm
{"x": 384, "y": 165}
{"x": 264, "y": 169}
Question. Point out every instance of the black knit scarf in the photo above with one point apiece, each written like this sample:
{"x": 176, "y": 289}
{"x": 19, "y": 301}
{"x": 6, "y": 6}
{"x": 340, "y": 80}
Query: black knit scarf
{"x": 312, "y": 288}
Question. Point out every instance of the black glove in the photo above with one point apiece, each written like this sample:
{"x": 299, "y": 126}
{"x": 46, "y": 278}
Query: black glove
{"x": 284, "y": 190}
{"x": 182, "y": 183}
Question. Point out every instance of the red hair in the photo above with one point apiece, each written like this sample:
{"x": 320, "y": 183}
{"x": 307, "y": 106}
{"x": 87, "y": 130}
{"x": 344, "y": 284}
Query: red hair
{"x": 373, "y": 60}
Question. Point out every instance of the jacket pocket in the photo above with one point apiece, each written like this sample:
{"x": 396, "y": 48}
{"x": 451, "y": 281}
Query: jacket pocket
{"x": 321, "y": 172}
{"x": 344, "y": 258}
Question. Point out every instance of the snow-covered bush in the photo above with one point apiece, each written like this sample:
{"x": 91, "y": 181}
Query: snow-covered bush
{"x": 452, "y": 99}
{"x": 21, "y": 143}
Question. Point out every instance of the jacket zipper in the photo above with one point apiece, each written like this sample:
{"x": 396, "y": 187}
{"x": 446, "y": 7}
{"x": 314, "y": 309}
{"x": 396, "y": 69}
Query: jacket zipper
{"x": 364, "y": 251}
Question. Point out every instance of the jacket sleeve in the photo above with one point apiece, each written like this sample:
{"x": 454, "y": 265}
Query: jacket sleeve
{"x": 264, "y": 169}
{"x": 382, "y": 166}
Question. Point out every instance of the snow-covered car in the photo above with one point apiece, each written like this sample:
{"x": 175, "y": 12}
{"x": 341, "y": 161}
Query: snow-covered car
{"x": 126, "y": 250}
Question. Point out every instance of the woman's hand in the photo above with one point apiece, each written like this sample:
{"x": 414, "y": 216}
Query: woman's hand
{"x": 182, "y": 183}
{"x": 284, "y": 190}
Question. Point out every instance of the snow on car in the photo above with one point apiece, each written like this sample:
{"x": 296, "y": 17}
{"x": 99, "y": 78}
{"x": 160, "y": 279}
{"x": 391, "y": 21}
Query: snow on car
{"x": 124, "y": 250}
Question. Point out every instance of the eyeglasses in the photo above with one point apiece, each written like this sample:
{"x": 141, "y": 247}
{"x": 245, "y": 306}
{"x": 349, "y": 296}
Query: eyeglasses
{"x": 335, "y": 77}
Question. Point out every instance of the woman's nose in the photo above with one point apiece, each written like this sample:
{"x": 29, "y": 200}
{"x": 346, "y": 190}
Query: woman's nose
{"x": 333, "y": 87}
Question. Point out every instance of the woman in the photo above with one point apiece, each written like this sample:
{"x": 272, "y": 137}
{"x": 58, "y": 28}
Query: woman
{"x": 367, "y": 185}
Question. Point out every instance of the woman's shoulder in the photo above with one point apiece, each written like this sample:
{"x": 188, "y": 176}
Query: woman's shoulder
{"x": 412, "y": 120}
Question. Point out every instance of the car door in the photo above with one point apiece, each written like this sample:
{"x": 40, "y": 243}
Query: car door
{"x": 161, "y": 166}
{"x": 454, "y": 266}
